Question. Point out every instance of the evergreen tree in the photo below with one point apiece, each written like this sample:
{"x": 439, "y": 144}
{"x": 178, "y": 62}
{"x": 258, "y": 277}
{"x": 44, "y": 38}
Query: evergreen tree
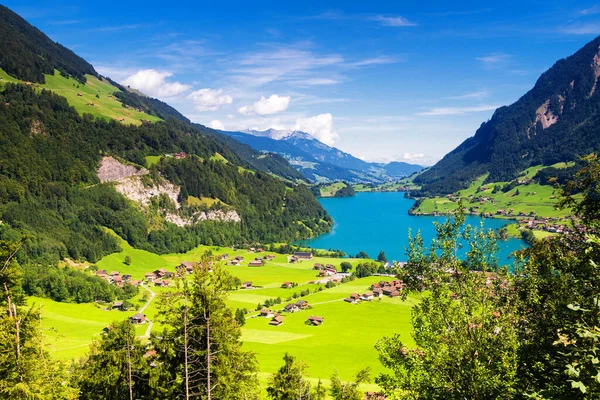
{"x": 349, "y": 390}
{"x": 200, "y": 349}
{"x": 288, "y": 382}
{"x": 115, "y": 367}
{"x": 381, "y": 257}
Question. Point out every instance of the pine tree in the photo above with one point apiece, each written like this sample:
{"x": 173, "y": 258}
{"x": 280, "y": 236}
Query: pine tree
{"x": 202, "y": 350}
{"x": 288, "y": 382}
{"x": 115, "y": 367}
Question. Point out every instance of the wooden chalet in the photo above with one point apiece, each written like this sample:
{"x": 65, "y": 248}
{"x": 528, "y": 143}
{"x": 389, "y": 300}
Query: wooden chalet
{"x": 138, "y": 318}
{"x": 256, "y": 263}
{"x": 368, "y": 296}
{"x": 187, "y": 266}
{"x": 291, "y": 308}
{"x": 287, "y": 285}
{"x": 302, "y": 304}
{"x": 277, "y": 320}
{"x": 315, "y": 321}
{"x": 353, "y": 299}
{"x": 118, "y": 305}
{"x": 266, "y": 313}
{"x": 303, "y": 255}
{"x": 246, "y": 285}
{"x": 318, "y": 266}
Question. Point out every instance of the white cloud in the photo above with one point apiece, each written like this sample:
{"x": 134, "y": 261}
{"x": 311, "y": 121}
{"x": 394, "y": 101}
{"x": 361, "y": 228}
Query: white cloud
{"x": 582, "y": 29}
{"x": 216, "y": 124}
{"x": 444, "y": 111}
{"x": 297, "y": 65}
{"x": 393, "y": 21}
{"x": 319, "y": 126}
{"x": 267, "y": 106}
{"x": 473, "y": 95}
{"x": 494, "y": 60}
{"x": 153, "y": 83}
{"x": 209, "y": 99}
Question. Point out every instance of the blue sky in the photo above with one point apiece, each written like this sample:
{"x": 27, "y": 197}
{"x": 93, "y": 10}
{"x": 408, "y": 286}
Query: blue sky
{"x": 382, "y": 80}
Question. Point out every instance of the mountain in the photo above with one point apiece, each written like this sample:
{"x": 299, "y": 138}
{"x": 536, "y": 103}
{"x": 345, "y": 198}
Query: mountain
{"x": 28, "y": 54}
{"x": 318, "y": 161}
{"x": 77, "y": 165}
{"x": 557, "y": 120}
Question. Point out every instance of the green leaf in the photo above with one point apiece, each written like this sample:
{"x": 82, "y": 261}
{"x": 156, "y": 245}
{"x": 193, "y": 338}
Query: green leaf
{"x": 579, "y": 385}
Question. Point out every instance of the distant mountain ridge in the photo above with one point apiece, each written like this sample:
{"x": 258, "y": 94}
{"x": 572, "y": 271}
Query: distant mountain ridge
{"x": 557, "y": 120}
{"x": 318, "y": 161}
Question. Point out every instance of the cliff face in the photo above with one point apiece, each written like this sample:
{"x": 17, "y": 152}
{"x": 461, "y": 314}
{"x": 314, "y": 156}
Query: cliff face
{"x": 127, "y": 180}
{"x": 557, "y": 120}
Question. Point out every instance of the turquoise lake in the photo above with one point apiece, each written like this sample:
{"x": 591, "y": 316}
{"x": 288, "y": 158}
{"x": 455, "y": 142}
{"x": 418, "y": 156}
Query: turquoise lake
{"x": 372, "y": 222}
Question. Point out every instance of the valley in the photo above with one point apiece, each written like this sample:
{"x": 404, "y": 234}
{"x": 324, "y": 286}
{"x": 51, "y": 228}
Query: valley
{"x": 241, "y": 246}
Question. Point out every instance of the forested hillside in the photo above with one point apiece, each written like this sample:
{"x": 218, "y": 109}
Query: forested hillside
{"x": 555, "y": 121}
{"x": 50, "y": 191}
{"x": 28, "y": 54}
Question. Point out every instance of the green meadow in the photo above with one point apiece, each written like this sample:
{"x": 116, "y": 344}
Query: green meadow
{"x": 344, "y": 342}
{"x": 530, "y": 197}
{"x": 81, "y": 96}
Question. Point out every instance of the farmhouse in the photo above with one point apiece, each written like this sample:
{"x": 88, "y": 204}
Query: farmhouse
{"x": 290, "y": 307}
{"x": 287, "y": 285}
{"x": 292, "y": 259}
{"x": 126, "y": 277}
{"x": 368, "y": 296}
{"x": 390, "y": 291}
{"x": 277, "y": 320}
{"x": 266, "y": 313}
{"x": 326, "y": 272}
{"x": 256, "y": 263}
{"x": 377, "y": 292}
{"x": 118, "y": 305}
{"x": 331, "y": 269}
{"x": 301, "y": 255}
{"x": 149, "y": 276}
{"x": 162, "y": 282}
{"x": 246, "y": 285}
{"x": 318, "y": 266}
{"x": 353, "y": 299}
{"x": 316, "y": 321}
{"x": 162, "y": 273}
{"x": 302, "y": 304}
{"x": 138, "y": 318}
{"x": 101, "y": 273}
{"x": 234, "y": 262}
{"x": 223, "y": 257}
{"x": 269, "y": 257}
{"x": 187, "y": 266}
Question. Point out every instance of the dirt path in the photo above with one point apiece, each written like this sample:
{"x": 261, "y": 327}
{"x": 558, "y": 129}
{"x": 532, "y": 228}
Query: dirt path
{"x": 150, "y": 323}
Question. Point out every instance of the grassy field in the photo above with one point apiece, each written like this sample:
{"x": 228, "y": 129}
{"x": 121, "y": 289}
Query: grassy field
{"x": 331, "y": 189}
{"x": 81, "y": 96}
{"x": 541, "y": 199}
{"x": 395, "y": 186}
{"x": 345, "y": 341}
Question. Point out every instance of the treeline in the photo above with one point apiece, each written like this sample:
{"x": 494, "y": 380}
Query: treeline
{"x": 49, "y": 189}
{"x": 27, "y": 53}
{"x": 149, "y": 105}
{"x": 71, "y": 285}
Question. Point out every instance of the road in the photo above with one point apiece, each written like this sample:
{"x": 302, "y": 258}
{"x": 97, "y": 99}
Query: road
{"x": 150, "y": 323}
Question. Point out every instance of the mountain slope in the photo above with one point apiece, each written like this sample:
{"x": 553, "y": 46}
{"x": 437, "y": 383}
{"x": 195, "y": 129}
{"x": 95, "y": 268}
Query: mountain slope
{"x": 556, "y": 121}
{"x": 28, "y": 54}
{"x": 318, "y": 161}
{"x": 202, "y": 187}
